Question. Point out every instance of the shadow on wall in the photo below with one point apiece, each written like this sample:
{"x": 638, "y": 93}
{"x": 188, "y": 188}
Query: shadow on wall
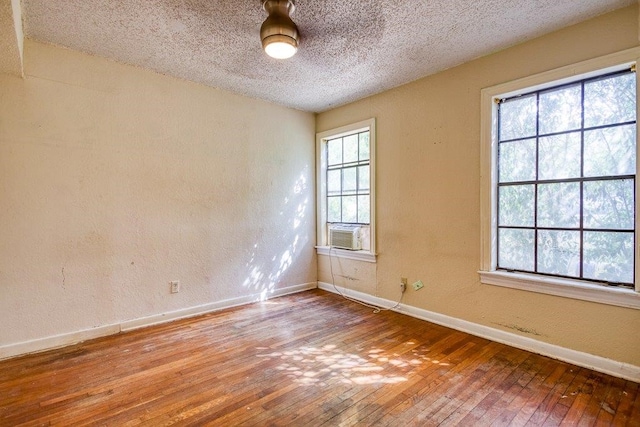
{"x": 265, "y": 276}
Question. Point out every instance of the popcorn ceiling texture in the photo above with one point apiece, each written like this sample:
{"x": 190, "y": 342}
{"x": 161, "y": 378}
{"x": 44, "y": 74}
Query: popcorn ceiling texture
{"x": 348, "y": 49}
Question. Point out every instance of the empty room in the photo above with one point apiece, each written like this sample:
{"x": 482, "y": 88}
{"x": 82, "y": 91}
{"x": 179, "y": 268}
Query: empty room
{"x": 336, "y": 213}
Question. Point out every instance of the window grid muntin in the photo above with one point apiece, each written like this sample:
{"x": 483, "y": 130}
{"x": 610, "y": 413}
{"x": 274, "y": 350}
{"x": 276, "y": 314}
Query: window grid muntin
{"x": 582, "y": 179}
{"x": 583, "y": 130}
{"x": 581, "y": 209}
{"x": 342, "y": 167}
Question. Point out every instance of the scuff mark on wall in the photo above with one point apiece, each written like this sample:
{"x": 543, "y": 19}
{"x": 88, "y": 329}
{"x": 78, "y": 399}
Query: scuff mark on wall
{"x": 520, "y": 329}
{"x": 63, "y": 278}
{"x": 353, "y": 279}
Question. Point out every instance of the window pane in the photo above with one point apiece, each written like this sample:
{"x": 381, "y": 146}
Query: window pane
{"x": 333, "y": 182}
{"x": 364, "y": 211}
{"x": 516, "y": 249}
{"x": 363, "y": 179}
{"x": 516, "y": 205}
{"x": 349, "y": 180}
{"x": 608, "y": 256}
{"x": 364, "y": 146}
{"x": 349, "y": 209}
{"x": 610, "y": 100}
{"x": 350, "y": 148}
{"x": 517, "y": 161}
{"x": 559, "y": 156}
{"x": 610, "y": 151}
{"x": 609, "y": 204}
{"x": 334, "y": 151}
{"x": 334, "y": 209}
{"x": 560, "y": 110}
{"x": 566, "y": 191}
{"x": 559, "y": 252}
{"x": 518, "y": 118}
{"x": 559, "y": 205}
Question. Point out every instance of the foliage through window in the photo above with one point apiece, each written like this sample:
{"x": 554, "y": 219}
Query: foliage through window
{"x": 566, "y": 180}
{"x": 348, "y": 188}
{"x": 345, "y": 179}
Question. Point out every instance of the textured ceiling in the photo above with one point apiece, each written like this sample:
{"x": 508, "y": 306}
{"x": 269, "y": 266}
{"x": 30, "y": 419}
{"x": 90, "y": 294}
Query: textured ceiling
{"x": 348, "y": 49}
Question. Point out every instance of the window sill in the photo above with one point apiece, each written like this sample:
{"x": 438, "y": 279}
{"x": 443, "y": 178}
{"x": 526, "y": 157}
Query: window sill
{"x": 567, "y": 288}
{"x": 343, "y": 253}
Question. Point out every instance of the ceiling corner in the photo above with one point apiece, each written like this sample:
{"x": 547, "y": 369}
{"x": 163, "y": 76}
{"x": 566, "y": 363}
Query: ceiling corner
{"x": 11, "y": 38}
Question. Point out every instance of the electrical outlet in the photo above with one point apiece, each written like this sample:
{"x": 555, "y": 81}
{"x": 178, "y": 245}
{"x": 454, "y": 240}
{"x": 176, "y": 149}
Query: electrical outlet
{"x": 418, "y": 285}
{"x": 175, "y": 286}
{"x": 403, "y": 284}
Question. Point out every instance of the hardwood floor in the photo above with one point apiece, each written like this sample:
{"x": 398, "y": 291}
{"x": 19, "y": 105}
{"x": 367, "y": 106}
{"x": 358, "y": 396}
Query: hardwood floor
{"x": 308, "y": 359}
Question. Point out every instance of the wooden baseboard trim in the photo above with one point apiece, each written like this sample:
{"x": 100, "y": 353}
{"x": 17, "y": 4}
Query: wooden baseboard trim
{"x": 63, "y": 340}
{"x": 586, "y": 360}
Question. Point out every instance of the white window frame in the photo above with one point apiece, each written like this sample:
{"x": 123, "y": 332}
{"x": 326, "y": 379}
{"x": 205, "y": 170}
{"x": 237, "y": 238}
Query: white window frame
{"x": 570, "y": 288}
{"x": 321, "y": 191}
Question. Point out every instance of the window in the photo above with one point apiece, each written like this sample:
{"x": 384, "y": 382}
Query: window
{"x": 559, "y": 182}
{"x": 566, "y": 178}
{"x": 345, "y": 177}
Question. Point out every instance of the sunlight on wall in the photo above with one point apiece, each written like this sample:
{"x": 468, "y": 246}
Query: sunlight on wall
{"x": 319, "y": 366}
{"x": 264, "y": 276}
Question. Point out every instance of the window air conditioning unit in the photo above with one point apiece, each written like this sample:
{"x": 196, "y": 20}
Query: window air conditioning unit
{"x": 345, "y": 237}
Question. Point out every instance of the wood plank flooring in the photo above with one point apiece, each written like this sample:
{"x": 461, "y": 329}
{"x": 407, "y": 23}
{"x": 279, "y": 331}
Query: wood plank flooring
{"x": 309, "y": 359}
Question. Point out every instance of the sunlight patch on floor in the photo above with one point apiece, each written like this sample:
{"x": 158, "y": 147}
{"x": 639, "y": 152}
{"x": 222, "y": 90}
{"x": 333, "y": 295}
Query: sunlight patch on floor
{"x": 319, "y": 366}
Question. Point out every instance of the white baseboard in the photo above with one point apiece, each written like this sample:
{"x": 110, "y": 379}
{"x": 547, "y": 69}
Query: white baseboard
{"x": 586, "y": 360}
{"x": 214, "y": 306}
{"x": 57, "y": 341}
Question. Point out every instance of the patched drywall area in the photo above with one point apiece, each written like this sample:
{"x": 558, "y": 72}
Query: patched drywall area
{"x": 115, "y": 181}
{"x": 351, "y": 274}
{"x": 428, "y": 189}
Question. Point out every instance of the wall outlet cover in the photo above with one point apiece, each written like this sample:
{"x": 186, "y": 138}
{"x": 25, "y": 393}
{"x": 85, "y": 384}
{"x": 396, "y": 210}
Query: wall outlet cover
{"x": 175, "y": 286}
{"x": 418, "y": 285}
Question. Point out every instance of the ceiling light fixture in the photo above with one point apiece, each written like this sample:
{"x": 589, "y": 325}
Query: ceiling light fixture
{"x": 279, "y": 33}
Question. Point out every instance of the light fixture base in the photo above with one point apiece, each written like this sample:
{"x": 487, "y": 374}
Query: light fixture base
{"x": 278, "y": 32}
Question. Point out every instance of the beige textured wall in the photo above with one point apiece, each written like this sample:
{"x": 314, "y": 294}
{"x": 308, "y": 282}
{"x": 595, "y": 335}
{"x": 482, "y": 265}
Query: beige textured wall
{"x": 115, "y": 180}
{"x": 11, "y": 37}
{"x": 428, "y": 177}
